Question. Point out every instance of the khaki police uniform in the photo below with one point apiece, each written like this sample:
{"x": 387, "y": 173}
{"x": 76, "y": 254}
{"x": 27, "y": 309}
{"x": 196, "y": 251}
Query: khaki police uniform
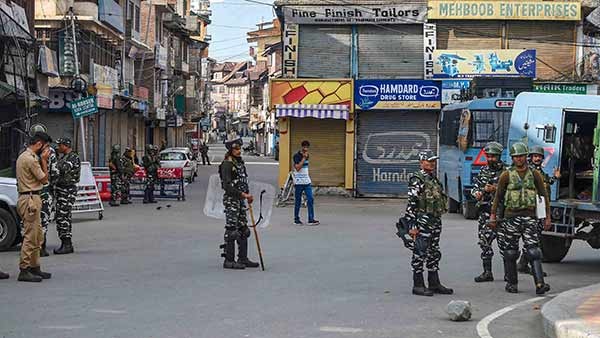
{"x": 29, "y": 204}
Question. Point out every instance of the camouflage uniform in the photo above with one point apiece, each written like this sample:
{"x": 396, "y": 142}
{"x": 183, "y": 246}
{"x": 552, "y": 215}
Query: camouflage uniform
{"x": 116, "y": 174}
{"x": 69, "y": 166}
{"x": 128, "y": 171}
{"x": 487, "y": 175}
{"x": 234, "y": 181}
{"x": 426, "y": 205}
{"x": 48, "y": 197}
{"x": 47, "y": 194}
{"x": 151, "y": 164}
{"x": 518, "y": 196}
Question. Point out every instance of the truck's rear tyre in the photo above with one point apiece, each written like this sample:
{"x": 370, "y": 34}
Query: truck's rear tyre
{"x": 554, "y": 249}
{"x": 453, "y": 206}
{"x": 8, "y": 230}
{"x": 469, "y": 210}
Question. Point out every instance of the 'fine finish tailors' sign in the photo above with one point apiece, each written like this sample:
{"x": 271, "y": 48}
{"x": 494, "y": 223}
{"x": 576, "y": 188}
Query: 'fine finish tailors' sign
{"x": 344, "y": 15}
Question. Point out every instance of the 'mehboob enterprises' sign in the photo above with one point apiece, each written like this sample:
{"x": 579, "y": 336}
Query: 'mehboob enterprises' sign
{"x": 505, "y": 10}
{"x": 356, "y": 15}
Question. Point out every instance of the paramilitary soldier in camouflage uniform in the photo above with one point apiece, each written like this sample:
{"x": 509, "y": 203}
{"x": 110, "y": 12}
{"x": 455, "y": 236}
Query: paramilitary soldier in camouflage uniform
{"x": 69, "y": 167}
{"x": 426, "y": 205}
{"x": 484, "y": 189}
{"x": 151, "y": 164}
{"x": 518, "y": 188}
{"x": 116, "y": 176}
{"x": 234, "y": 180}
{"x": 536, "y": 158}
{"x": 128, "y": 171}
{"x": 48, "y": 197}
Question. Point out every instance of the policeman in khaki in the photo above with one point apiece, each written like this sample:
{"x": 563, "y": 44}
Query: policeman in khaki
{"x": 425, "y": 207}
{"x": 518, "y": 189}
{"x": 32, "y": 174}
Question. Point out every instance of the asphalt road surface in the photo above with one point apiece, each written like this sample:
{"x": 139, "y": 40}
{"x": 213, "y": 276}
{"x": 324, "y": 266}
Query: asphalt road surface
{"x": 143, "y": 272}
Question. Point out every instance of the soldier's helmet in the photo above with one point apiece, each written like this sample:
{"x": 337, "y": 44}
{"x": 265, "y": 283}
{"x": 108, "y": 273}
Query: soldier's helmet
{"x": 537, "y": 150}
{"x": 116, "y": 148}
{"x": 493, "y": 148}
{"x": 64, "y": 140}
{"x": 519, "y": 149}
{"x": 230, "y": 143}
{"x": 428, "y": 155}
{"x": 37, "y": 128}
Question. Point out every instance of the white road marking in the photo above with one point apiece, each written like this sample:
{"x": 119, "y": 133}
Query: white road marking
{"x": 338, "y": 329}
{"x": 62, "y": 327}
{"x": 112, "y": 312}
{"x": 482, "y": 326}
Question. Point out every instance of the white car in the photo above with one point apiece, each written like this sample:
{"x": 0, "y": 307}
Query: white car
{"x": 180, "y": 158}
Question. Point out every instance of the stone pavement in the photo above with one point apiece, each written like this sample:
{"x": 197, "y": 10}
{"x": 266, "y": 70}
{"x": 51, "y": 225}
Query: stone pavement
{"x": 573, "y": 314}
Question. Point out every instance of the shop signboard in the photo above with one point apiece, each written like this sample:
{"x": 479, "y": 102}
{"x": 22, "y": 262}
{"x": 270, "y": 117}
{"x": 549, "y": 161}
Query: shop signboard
{"x": 484, "y": 63}
{"x": 566, "y": 88}
{"x": 308, "y": 91}
{"x": 451, "y": 90}
{"x": 84, "y": 107}
{"x": 334, "y": 14}
{"x": 504, "y": 10}
{"x": 397, "y": 94}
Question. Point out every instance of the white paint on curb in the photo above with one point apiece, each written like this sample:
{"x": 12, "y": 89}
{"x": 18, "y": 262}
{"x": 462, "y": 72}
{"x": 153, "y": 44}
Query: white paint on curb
{"x": 482, "y": 326}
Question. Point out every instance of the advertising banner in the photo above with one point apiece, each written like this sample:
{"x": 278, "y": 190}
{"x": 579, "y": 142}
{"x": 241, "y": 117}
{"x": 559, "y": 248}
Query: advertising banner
{"x": 472, "y": 63}
{"x": 451, "y": 90}
{"x": 355, "y": 15}
{"x": 397, "y": 94}
{"x": 505, "y": 10}
{"x": 304, "y": 91}
{"x": 566, "y": 88}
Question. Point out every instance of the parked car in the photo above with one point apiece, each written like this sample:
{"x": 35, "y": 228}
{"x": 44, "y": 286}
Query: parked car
{"x": 180, "y": 157}
{"x": 10, "y": 225}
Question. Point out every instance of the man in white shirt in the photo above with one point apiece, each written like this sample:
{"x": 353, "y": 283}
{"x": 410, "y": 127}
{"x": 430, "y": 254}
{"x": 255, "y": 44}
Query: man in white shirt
{"x": 302, "y": 183}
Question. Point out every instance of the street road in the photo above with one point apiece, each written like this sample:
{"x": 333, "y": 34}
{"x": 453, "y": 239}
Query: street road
{"x": 143, "y": 272}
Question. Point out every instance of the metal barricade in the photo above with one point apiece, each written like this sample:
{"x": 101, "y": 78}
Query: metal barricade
{"x": 88, "y": 197}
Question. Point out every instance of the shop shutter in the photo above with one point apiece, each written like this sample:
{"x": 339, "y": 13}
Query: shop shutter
{"x": 324, "y": 52}
{"x": 554, "y": 43}
{"x": 388, "y": 144}
{"x": 469, "y": 35}
{"x": 102, "y": 139}
{"x": 390, "y": 51}
{"x": 327, "y": 148}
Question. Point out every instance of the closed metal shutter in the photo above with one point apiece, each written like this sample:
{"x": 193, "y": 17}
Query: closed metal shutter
{"x": 469, "y": 35}
{"x": 324, "y": 52}
{"x": 390, "y": 51}
{"x": 388, "y": 144}
{"x": 327, "y": 149}
{"x": 102, "y": 139}
{"x": 554, "y": 43}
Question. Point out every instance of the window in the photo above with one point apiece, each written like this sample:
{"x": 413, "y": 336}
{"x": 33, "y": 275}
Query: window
{"x": 449, "y": 127}
{"x": 487, "y": 126}
{"x": 172, "y": 157}
{"x": 137, "y": 18}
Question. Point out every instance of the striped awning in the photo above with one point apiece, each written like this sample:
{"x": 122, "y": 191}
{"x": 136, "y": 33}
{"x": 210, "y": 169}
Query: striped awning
{"x": 317, "y": 111}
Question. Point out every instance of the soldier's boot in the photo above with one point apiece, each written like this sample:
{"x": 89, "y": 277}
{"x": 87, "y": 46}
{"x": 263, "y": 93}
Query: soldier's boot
{"x": 229, "y": 255}
{"x": 43, "y": 251}
{"x": 523, "y": 265}
{"x": 38, "y": 272}
{"x": 419, "y": 288}
{"x": 4, "y": 275}
{"x": 66, "y": 247}
{"x": 26, "y": 276}
{"x": 435, "y": 286}
{"x": 243, "y": 254}
{"x": 487, "y": 275}
{"x": 510, "y": 271}
{"x": 535, "y": 256}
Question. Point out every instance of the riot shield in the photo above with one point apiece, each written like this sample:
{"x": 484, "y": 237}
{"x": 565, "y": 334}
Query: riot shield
{"x": 264, "y": 199}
